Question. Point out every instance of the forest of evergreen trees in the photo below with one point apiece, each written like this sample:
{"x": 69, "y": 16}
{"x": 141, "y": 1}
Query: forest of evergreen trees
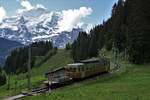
{"x": 17, "y": 61}
{"x": 128, "y": 30}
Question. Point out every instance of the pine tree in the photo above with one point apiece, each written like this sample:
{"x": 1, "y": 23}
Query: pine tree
{"x": 68, "y": 46}
{"x": 96, "y": 41}
{"x": 118, "y": 24}
{"x": 80, "y": 47}
{"x": 138, "y": 30}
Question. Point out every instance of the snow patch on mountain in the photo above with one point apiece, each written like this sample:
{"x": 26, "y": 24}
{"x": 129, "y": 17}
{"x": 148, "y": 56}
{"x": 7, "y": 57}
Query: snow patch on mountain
{"x": 39, "y": 24}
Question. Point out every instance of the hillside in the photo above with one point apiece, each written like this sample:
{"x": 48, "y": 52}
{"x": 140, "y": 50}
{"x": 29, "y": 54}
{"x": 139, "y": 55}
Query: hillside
{"x": 131, "y": 84}
{"x": 58, "y": 60}
{"x": 5, "y": 48}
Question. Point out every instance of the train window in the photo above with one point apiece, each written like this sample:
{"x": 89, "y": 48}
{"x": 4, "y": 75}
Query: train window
{"x": 79, "y": 69}
{"x": 82, "y": 68}
{"x": 86, "y": 68}
{"x": 70, "y": 69}
{"x": 89, "y": 68}
{"x": 92, "y": 67}
{"x": 66, "y": 69}
{"x": 73, "y": 69}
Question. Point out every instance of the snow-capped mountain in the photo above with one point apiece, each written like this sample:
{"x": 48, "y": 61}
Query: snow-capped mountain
{"x": 36, "y": 25}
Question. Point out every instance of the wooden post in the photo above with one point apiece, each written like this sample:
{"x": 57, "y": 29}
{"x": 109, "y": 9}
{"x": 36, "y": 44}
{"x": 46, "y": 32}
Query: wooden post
{"x": 29, "y": 68}
{"x": 8, "y": 82}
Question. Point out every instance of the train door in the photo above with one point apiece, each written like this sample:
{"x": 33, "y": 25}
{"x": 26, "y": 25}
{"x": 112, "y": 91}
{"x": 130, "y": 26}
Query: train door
{"x": 82, "y": 72}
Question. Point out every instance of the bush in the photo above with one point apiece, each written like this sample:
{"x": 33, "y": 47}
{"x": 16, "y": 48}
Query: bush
{"x": 2, "y": 78}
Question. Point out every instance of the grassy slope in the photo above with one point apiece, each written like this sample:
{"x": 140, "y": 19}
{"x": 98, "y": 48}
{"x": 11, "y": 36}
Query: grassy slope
{"x": 133, "y": 84}
{"x": 58, "y": 60}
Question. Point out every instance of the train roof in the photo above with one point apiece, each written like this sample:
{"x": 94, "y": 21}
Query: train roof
{"x": 75, "y": 65}
{"x": 83, "y": 62}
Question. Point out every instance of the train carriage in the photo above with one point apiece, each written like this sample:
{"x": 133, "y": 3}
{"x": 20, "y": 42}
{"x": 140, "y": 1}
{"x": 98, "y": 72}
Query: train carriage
{"x": 76, "y": 71}
{"x": 87, "y": 68}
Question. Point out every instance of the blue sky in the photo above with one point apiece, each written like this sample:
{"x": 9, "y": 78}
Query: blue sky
{"x": 101, "y": 8}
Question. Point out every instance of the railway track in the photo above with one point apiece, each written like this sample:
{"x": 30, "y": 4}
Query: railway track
{"x": 34, "y": 92}
{"x": 41, "y": 90}
{"x": 15, "y": 97}
{"x": 73, "y": 73}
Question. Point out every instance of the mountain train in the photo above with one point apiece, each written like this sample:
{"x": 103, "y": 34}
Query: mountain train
{"x": 77, "y": 71}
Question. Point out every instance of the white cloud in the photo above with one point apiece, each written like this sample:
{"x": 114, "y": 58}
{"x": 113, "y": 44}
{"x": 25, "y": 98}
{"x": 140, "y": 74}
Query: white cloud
{"x": 85, "y": 26}
{"x": 40, "y": 6}
{"x": 26, "y": 4}
{"x": 2, "y": 13}
{"x": 72, "y": 17}
{"x": 80, "y": 24}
